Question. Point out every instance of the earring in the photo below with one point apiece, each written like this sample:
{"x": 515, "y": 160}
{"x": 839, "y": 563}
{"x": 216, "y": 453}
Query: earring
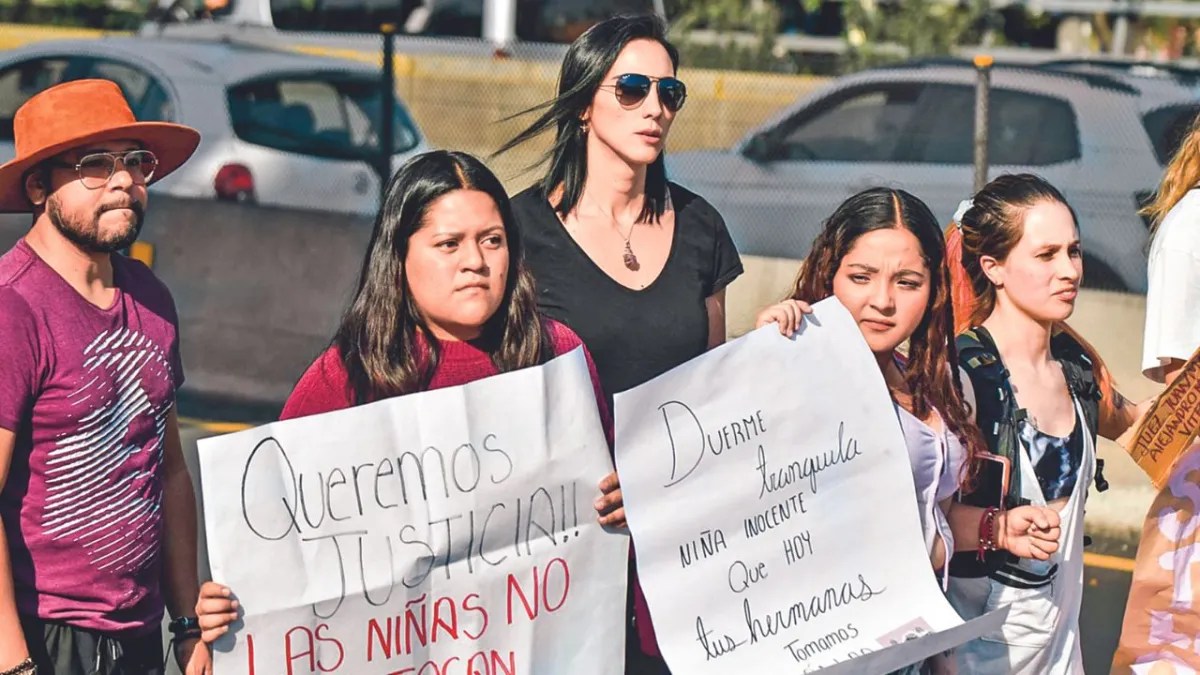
{"x": 583, "y": 128}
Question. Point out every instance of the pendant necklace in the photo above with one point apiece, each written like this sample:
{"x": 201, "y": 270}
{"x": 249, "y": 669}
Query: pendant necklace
{"x": 629, "y": 258}
{"x": 631, "y": 261}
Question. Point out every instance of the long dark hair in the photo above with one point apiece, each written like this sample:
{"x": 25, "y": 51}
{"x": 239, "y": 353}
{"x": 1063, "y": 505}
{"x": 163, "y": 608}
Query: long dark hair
{"x": 583, "y": 69}
{"x": 383, "y": 341}
{"x": 992, "y": 227}
{"x": 930, "y": 373}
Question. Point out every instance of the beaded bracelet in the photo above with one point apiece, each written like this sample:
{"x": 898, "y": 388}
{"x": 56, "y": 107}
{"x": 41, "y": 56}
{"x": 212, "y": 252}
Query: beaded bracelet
{"x": 26, "y": 667}
{"x": 987, "y": 532}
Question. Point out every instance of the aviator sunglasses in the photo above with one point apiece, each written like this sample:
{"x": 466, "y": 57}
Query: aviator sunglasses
{"x": 96, "y": 169}
{"x": 632, "y": 88}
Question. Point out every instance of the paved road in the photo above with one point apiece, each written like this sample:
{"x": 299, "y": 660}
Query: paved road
{"x": 1103, "y": 607}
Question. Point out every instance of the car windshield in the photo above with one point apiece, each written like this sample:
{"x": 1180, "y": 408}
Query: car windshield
{"x": 1167, "y": 127}
{"x": 334, "y": 118}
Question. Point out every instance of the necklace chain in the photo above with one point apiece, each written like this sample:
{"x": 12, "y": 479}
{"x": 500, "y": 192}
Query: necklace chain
{"x": 628, "y": 257}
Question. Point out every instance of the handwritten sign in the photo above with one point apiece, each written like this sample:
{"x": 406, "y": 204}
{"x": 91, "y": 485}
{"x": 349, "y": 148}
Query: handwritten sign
{"x": 769, "y": 492}
{"x": 435, "y": 534}
{"x": 1169, "y": 428}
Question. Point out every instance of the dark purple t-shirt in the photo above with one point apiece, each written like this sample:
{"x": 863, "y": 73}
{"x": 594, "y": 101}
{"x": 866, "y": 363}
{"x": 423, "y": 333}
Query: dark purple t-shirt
{"x": 87, "y": 392}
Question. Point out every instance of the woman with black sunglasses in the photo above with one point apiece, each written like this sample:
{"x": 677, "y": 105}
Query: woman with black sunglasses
{"x": 635, "y": 265}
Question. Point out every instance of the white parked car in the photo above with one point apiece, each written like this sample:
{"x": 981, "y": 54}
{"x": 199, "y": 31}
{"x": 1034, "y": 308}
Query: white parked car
{"x": 1100, "y": 137}
{"x": 277, "y": 128}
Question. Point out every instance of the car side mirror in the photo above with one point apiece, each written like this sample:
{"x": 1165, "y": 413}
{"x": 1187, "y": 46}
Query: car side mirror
{"x": 758, "y": 148}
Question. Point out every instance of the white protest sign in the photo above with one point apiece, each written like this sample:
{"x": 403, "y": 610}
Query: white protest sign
{"x": 771, "y": 501}
{"x": 443, "y": 533}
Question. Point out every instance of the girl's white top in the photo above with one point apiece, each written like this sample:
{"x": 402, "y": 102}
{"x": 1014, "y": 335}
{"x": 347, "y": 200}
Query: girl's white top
{"x": 1173, "y": 296}
{"x": 937, "y": 458}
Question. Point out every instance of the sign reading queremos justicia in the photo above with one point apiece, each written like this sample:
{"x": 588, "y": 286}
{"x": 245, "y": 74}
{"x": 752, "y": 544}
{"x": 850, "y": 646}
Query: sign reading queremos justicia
{"x": 446, "y": 531}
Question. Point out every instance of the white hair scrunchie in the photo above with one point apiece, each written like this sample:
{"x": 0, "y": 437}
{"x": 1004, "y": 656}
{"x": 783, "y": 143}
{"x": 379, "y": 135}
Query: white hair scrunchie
{"x": 963, "y": 207}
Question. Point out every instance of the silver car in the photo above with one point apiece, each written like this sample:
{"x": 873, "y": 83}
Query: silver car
{"x": 277, "y": 128}
{"x": 1102, "y": 138}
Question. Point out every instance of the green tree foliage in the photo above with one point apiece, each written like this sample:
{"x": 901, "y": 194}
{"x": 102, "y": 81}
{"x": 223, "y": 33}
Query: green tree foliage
{"x": 878, "y": 32}
{"x": 74, "y": 13}
{"x": 745, "y": 31}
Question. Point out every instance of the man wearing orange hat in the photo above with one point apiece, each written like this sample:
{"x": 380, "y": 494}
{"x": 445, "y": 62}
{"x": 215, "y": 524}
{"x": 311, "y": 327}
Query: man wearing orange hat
{"x": 97, "y": 508}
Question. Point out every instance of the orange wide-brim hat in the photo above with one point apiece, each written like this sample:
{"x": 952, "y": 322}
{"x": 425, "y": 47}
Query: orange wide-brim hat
{"x": 79, "y": 114}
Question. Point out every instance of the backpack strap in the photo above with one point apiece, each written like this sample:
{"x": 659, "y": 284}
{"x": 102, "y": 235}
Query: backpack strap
{"x": 996, "y": 411}
{"x": 1080, "y": 373}
{"x": 997, "y": 415}
{"x": 1081, "y": 376}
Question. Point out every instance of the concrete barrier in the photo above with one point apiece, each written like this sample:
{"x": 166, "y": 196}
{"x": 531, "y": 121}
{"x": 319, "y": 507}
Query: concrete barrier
{"x": 259, "y": 291}
{"x": 450, "y": 96}
{"x": 463, "y": 101}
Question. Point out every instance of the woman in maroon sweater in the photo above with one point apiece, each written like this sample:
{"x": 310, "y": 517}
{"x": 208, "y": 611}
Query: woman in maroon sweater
{"x": 444, "y": 299}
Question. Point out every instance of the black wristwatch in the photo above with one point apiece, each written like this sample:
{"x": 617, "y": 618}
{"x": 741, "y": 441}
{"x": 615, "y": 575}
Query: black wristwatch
{"x": 184, "y": 626}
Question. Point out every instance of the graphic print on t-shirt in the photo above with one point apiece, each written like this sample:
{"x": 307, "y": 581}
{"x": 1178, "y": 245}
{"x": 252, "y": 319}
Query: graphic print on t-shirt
{"x": 99, "y": 492}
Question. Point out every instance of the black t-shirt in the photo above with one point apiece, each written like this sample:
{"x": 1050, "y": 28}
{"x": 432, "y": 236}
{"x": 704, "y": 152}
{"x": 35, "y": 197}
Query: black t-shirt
{"x": 633, "y": 335}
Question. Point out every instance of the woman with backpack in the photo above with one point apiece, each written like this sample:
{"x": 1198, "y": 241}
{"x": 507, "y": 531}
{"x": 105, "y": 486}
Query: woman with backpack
{"x": 1040, "y": 395}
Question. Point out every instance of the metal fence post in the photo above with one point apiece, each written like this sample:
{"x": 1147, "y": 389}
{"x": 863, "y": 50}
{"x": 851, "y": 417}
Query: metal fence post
{"x": 1120, "y": 36}
{"x": 983, "y": 68}
{"x": 500, "y": 22}
{"x": 387, "y": 131}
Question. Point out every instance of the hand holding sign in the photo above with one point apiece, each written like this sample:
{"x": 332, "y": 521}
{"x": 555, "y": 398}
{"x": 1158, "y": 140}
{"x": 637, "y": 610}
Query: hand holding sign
{"x": 451, "y": 531}
{"x": 610, "y": 506}
{"x": 216, "y": 609}
{"x": 788, "y": 315}
{"x": 1170, "y": 426}
{"x": 769, "y": 491}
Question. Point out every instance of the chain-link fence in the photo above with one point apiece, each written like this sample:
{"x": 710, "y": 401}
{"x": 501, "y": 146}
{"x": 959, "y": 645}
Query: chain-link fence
{"x": 291, "y": 122}
{"x": 774, "y": 153}
{"x": 466, "y": 103}
{"x": 777, "y": 153}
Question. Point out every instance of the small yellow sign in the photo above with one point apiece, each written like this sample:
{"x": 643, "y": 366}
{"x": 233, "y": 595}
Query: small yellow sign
{"x": 1168, "y": 429}
{"x": 144, "y": 252}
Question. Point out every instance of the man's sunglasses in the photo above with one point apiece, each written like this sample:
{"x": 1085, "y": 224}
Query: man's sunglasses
{"x": 96, "y": 169}
{"x": 631, "y": 89}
